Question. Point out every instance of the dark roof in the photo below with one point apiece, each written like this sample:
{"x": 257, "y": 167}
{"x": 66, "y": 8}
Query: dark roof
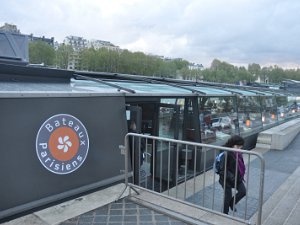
{"x": 102, "y": 82}
{"x": 13, "y": 48}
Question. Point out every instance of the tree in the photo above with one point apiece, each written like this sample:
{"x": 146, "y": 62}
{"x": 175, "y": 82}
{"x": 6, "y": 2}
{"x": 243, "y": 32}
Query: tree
{"x": 63, "y": 54}
{"x": 41, "y": 52}
{"x": 243, "y": 75}
{"x": 184, "y": 73}
{"x": 207, "y": 74}
{"x": 180, "y": 64}
{"x": 214, "y": 64}
{"x": 125, "y": 62}
{"x": 254, "y": 69}
{"x": 276, "y": 75}
{"x": 222, "y": 72}
{"x": 265, "y": 72}
{"x": 87, "y": 59}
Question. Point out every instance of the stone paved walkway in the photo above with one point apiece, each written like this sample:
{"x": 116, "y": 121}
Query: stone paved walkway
{"x": 279, "y": 166}
{"x": 123, "y": 212}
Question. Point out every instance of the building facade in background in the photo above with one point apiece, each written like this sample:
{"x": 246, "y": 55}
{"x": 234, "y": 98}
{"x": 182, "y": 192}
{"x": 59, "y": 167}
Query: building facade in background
{"x": 10, "y": 28}
{"x": 49, "y": 41}
{"x": 80, "y": 43}
{"x": 97, "y": 44}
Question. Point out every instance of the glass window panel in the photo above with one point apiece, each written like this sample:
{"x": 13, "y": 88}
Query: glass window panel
{"x": 249, "y": 111}
{"x": 217, "y": 118}
{"x": 168, "y": 100}
{"x": 282, "y": 104}
{"x": 170, "y": 111}
{"x": 292, "y": 108}
{"x": 269, "y": 110}
{"x": 166, "y": 122}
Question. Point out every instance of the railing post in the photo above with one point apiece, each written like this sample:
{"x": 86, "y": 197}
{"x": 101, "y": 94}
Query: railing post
{"x": 176, "y": 147}
{"x": 126, "y": 158}
{"x": 261, "y": 191}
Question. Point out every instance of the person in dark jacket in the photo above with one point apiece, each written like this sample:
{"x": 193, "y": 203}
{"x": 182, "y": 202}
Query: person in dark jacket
{"x": 235, "y": 164}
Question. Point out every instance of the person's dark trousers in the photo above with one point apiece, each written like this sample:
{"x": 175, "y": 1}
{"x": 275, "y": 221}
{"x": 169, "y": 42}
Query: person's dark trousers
{"x": 228, "y": 202}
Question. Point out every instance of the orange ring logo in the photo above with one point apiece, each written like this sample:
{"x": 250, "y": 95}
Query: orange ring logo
{"x": 62, "y": 144}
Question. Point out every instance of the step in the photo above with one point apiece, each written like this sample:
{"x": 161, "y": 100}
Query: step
{"x": 264, "y": 139}
{"x": 265, "y": 134}
{"x": 263, "y": 146}
{"x": 282, "y": 202}
{"x": 285, "y": 206}
{"x": 294, "y": 216}
{"x": 279, "y": 137}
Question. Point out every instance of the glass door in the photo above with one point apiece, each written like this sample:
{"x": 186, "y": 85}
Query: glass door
{"x": 168, "y": 126}
{"x": 134, "y": 118}
{"x": 168, "y": 121}
{"x": 134, "y": 121}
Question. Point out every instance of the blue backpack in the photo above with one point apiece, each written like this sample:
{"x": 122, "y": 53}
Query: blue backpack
{"x": 217, "y": 162}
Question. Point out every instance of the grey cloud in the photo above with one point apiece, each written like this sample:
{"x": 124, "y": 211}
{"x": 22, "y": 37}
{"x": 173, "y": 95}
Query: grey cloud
{"x": 261, "y": 31}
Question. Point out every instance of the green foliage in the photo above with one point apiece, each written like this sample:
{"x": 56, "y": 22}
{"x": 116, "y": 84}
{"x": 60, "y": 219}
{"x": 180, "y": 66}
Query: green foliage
{"x": 254, "y": 69}
{"x": 124, "y": 61}
{"x": 63, "y": 54}
{"x": 224, "y": 72}
{"x": 276, "y": 74}
{"x": 41, "y": 52}
{"x": 128, "y": 62}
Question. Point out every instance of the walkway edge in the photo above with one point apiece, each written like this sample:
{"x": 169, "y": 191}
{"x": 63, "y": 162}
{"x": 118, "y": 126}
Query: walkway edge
{"x": 276, "y": 197}
{"x": 181, "y": 211}
{"x": 67, "y": 210}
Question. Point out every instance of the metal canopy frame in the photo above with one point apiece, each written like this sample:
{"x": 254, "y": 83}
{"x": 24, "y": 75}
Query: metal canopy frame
{"x": 181, "y": 83}
{"x": 256, "y": 90}
{"x": 29, "y": 73}
{"x": 76, "y": 76}
{"x": 140, "y": 79}
{"x": 106, "y": 76}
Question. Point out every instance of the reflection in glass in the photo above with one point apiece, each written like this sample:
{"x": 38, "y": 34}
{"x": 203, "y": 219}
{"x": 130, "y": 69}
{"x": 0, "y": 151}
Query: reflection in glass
{"x": 250, "y": 117}
{"x": 166, "y": 122}
{"x": 170, "y": 118}
{"x": 269, "y": 110}
{"x": 293, "y": 108}
{"x": 217, "y": 118}
{"x": 282, "y": 103}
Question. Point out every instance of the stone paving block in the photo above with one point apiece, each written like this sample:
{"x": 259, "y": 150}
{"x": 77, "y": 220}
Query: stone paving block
{"x": 115, "y": 218}
{"x": 101, "y": 211}
{"x": 145, "y": 211}
{"x": 116, "y": 212}
{"x": 130, "y": 212}
{"x": 146, "y": 218}
{"x": 100, "y": 219}
{"x": 130, "y": 218}
{"x": 85, "y": 219}
{"x": 162, "y": 223}
{"x": 161, "y": 218}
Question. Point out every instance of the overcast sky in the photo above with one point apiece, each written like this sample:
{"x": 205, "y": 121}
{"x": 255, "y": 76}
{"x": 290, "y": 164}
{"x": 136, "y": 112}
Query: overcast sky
{"x": 236, "y": 31}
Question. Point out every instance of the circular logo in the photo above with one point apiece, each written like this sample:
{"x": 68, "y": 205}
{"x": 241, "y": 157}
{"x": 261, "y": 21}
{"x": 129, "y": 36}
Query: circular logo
{"x": 62, "y": 144}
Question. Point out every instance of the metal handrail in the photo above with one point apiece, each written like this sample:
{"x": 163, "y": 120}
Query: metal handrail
{"x": 173, "y": 145}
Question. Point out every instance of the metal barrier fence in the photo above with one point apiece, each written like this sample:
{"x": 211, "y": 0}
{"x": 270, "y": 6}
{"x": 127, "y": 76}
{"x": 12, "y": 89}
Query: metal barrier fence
{"x": 182, "y": 171}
